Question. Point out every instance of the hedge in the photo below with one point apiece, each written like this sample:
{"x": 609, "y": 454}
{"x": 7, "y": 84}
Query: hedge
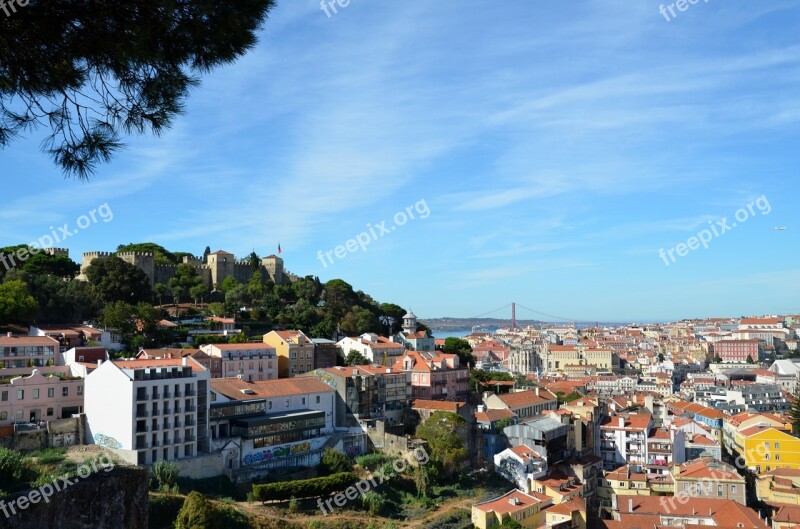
{"x": 304, "y": 488}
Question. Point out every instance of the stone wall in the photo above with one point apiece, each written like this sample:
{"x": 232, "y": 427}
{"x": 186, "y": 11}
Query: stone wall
{"x": 117, "y": 499}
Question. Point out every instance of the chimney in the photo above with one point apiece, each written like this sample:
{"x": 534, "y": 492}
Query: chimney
{"x": 99, "y": 362}
{"x": 621, "y": 422}
{"x": 9, "y": 334}
{"x": 184, "y": 362}
{"x": 630, "y": 504}
{"x": 388, "y": 370}
{"x": 481, "y": 408}
{"x": 537, "y": 390}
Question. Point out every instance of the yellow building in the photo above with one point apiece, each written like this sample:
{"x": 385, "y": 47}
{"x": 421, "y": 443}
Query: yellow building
{"x": 742, "y": 421}
{"x": 526, "y": 509}
{"x": 781, "y": 485}
{"x": 765, "y": 448}
{"x": 558, "y": 487}
{"x": 623, "y": 481}
{"x": 572, "y": 512}
{"x": 295, "y": 352}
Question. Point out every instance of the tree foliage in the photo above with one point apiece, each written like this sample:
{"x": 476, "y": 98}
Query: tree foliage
{"x": 441, "y": 430}
{"x": 116, "y": 280}
{"x": 16, "y": 304}
{"x": 92, "y": 72}
{"x": 334, "y": 462}
{"x": 304, "y": 488}
{"x": 460, "y": 347}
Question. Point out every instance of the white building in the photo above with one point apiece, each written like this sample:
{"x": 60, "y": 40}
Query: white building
{"x": 250, "y": 361}
{"x": 521, "y": 465}
{"x": 623, "y": 440}
{"x": 148, "y": 410}
{"x": 373, "y": 347}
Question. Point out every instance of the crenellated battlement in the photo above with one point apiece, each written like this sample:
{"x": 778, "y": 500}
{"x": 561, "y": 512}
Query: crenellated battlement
{"x": 133, "y": 254}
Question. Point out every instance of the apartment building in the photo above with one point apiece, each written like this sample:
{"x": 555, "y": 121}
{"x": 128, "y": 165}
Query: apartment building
{"x": 295, "y": 352}
{"x": 647, "y": 511}
{"x": 367, "y": 393}
{"x": 707, "y": 478}
{"x": 148, "y": 410}
{"x": 623, "y": 440}
{"x": 765, "y": 448}
{"x": 250, "y": 361}
{"x": 737, "y": 351}
{"x": 45, "y": 394}
{"x": 434, "y": 375}
{"x": 28, "y": 351}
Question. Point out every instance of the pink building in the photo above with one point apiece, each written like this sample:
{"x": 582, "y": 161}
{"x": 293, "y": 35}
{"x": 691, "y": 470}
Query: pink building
{"x": 40, "y": 397}
{"x": 434, "y": 375}
{"x": 28, "y": 351}
{"x": 737, "y": 351}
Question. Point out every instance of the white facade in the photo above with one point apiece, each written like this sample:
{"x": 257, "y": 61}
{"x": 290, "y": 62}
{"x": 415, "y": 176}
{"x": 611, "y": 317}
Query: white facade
{"x": 148, "y": 410}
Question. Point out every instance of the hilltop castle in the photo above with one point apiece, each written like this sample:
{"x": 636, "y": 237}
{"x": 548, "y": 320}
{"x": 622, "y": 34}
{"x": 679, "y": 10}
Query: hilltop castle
{"x": 214, "y": 270}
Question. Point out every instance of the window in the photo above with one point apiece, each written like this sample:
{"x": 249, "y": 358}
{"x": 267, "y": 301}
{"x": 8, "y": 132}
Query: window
{"x": 3, "y": 415}
{"x": 287, "y": 402}
{"x": 733, "y": 489}
{"x": 4, "y": 397}
{"x": 766, "y": 456}
{"x": 65, "y": 391}
{"x": 51, "y": 392}
{"x": 719, "y": 490}
{"x": 777, "y": 446}
{"x": 317, "y": 399}
{"x": 777, "y": 457}
{"x": 269, "y": 405}
{"x": 20, "y": 394}
{"x": 36, "y": 393}
{"x": 80, "y": 390}
{"x": 49, "y": 412}
{"x": 304, "y": 401}
{"x": 18, "y": 415}
{"x": 766, "y": 445}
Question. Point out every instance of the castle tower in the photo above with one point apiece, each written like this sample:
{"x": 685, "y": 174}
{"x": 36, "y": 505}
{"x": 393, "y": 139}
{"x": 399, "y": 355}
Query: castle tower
{"x": 274, "y": 267}
{"x": 409, "y": 323}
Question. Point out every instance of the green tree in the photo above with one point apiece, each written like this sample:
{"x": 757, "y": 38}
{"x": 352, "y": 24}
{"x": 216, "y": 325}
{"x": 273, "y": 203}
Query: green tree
{"x": 16, "y": 303}
{"x": 717, "y": 359}
{"x": 56, "y": 265}
{"x": 750, "y": 360}
{"x": 197, "y": 292}
{"x": 164, "y": 475}
{"x": 196, "y": 513}
{"x": 184, "y": 280}
{"x": 460, "y": 347}
{"x": 160, "y": 291}
{"x": 373, "y": 502}
{"x": 228, "y": 283}
{"x": 113, "y": 279}
{"x": 421, "y": 481}
{"x": 660, "y": 357}
{"x": 334, "y": 462}
{"x": 75, "y": 72}
{"x": 442, "y": 432}
{"x": 354, "y": 358}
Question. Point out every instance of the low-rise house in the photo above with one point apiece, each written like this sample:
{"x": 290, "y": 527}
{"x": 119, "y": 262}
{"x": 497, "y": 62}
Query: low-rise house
{"x": 295, "y": 352}
{"x": 28, "y": 351}
{"x": 779, "y": 485}
{"x": 707, "y": 478}
{"x": 45, "y": 394}
{"x": 523, "y": 404}
{"x": 213, "y": 364}
{"x": 376, "y": 349}
{"x": 547, "y": 436}
{"x": 652, "y": 511}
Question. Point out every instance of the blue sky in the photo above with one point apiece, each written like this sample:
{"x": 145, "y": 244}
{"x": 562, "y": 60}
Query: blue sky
{"x": 557, "y": 148}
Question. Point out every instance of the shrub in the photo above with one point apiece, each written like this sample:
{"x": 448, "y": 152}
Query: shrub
{"x": 334, "y": 462}
{"x": 293, "y": 505}
{"x": 12, "y": 467}
{"x": 164, "y": 476}
{"x": 163, "y": 510}
{"x": 373, "y": 502}
{"x": 304, "y": 488}
{"x": 372, "y": 461}
{"x": 196, "y": 513}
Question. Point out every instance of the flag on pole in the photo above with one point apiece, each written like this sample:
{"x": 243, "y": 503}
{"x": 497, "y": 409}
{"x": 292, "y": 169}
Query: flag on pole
{"x": 279, "y": 249}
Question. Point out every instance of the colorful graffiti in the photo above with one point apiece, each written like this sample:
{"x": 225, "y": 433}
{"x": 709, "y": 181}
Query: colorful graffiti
{"x": 107, "y": 441}
{"x": 276, "y": 452}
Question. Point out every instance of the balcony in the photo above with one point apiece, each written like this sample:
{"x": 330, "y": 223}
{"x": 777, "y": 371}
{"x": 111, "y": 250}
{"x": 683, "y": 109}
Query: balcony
{"x": 189, "y": 393}
{"x": 178, "y": 394}
{"x": 190, "y": 409}
{"x": 142, "y": 446}
{"x": 142, "y": 396}
{"x": 167, "y": 426}
{"x": 177, "y": 440}
{"x": 167, "y": 395}
{"x": 142, "y": 413}
{"x": 189, "y": 439}
{"x": 178, "y": 409}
